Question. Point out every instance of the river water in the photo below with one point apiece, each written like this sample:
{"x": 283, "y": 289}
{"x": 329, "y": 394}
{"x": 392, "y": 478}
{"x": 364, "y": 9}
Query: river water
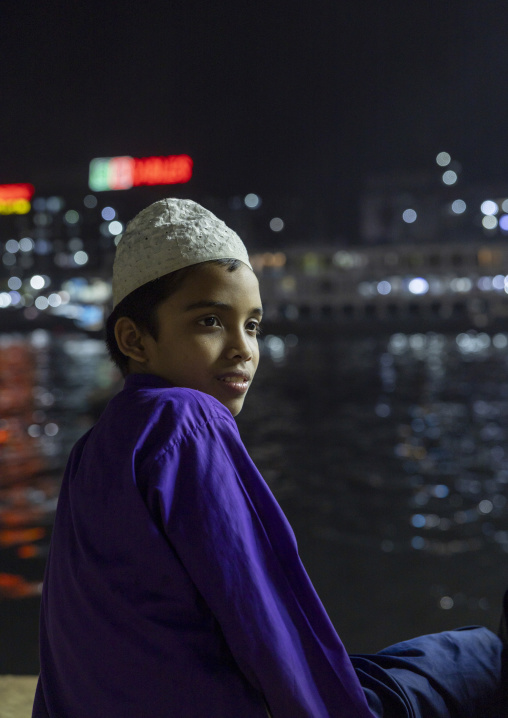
{"x": 388, "y": 454}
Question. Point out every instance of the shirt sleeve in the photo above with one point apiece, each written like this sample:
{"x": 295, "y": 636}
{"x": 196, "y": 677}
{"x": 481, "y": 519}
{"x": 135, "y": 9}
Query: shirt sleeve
{"x": 239, "y": 550}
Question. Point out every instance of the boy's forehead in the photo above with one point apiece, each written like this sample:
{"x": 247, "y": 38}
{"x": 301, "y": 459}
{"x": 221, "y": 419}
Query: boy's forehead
{"x": 213, "y": 285}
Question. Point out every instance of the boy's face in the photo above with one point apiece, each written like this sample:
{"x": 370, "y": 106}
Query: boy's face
{"x": 208, "y": 334}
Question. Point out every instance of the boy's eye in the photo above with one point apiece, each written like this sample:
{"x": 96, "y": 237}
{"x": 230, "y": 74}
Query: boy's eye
{"x": 209, "y": 321}
{"x": 254, "y": 326}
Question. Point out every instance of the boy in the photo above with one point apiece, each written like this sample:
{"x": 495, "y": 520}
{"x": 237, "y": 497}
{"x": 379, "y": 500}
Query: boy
{"x": 173, "y": 585}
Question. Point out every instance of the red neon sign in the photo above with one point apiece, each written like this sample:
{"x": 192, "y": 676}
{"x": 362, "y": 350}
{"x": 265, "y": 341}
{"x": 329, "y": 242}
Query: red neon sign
{"x": 162, "y": 170}
{"x": 108, "y": 173}
{"x": 16, "y": 191}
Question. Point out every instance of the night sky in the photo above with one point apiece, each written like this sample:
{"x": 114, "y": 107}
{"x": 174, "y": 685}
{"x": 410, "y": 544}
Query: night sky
{"x": 285, "y": 99}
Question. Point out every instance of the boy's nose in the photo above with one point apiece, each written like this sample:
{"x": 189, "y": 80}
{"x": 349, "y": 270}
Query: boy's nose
{"x": 239, "y": 347}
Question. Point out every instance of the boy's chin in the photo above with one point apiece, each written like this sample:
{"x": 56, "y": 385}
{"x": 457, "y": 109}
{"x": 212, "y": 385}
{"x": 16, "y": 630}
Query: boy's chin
{"x": 234, "y": 405}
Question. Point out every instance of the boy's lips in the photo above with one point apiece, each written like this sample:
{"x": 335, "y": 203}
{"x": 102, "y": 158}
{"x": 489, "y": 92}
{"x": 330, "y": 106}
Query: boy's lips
{"x": 236, "y": 381}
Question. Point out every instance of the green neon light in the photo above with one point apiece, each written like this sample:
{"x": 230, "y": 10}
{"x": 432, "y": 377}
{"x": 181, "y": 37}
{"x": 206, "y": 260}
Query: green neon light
{"x": 98, "y": 177}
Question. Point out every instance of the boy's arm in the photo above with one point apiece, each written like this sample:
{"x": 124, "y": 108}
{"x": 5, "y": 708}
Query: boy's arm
{"x": 240, "y": 552}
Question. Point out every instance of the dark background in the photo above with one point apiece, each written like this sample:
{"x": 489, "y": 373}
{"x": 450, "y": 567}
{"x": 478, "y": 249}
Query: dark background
{"x": 291, "y": 100}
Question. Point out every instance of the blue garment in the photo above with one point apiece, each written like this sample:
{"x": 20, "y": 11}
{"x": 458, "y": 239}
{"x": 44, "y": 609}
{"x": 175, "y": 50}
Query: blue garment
{"x": 174, "y": 588}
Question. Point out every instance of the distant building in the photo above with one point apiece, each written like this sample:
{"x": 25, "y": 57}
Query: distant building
{"x": 421, "y": 207}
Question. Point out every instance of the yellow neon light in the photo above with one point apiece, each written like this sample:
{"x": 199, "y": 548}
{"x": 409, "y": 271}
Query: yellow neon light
{"x": 14, "y": 206}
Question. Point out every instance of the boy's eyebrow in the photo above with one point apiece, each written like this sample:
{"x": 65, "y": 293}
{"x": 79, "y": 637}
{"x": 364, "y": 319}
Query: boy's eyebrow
{"x": 209, "y": 303}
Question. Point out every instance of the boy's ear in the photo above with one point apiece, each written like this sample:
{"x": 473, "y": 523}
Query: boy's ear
{"x": 130, "y": 340}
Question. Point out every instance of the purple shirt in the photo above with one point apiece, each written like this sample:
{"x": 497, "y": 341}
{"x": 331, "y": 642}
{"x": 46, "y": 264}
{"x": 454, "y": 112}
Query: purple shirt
{"x": 173, "y": 585}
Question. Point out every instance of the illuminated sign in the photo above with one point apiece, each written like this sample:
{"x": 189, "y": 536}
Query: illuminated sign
{"x": 126, "y": 172}
{"x": 15, "y": 198}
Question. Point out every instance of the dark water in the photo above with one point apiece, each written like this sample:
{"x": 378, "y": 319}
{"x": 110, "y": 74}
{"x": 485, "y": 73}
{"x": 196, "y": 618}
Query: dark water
{"x": 389, "y": 456}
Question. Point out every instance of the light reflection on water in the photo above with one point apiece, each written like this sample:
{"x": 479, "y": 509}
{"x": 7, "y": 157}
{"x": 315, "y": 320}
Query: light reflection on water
{"x": 389, "y": 456}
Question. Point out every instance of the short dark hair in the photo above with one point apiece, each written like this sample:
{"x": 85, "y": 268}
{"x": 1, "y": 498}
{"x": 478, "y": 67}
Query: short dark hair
{"x": 141, "y": 306}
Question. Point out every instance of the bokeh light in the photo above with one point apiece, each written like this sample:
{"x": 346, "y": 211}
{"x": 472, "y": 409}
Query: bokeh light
{"x": 54, "y": 300}
{"x": 12, "y": 246}
{"x": 37, "y": 282}
{"x": 418, "y": 285}
{"x": 459, "y": 206}
{"x": 5, "y": 300}
{"x": 489, "y": 221}
{"x": 115, "y": 228}
{"x": 41, "y": 303}
{"x": 443, "y": 159}
{"x": 108, "y": 213}
{"x": 55, "y": 204}
{"x": 71, "y": 216}
{"x": 489, "y": 207}
{"x": 252, "y": 201}
{"x": 409, "y": 216}
{"x": 446, "y": 603}
{"x": 81, "y": 258}
{"x": 14, "y": 283}
{"x": 26, "y": 244}
{"x": 449, "y": 177}
{"x": 384, "y": 287}
{"x": 276, "y": 224}
{"x": 90, "y": 201}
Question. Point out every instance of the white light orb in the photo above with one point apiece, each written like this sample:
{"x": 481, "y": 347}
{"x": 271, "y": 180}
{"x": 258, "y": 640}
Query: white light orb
{"x": 26, "y": 244}
{"x": 115, "y": 228}
{"x": 489, "y": 207}
{"x": 252, "y": 201}
{"x": 443, "y": 159}
{"x": 449, "y": 177}
{"x": 489, "y": 221}
{"x": 459, "y": 206}
{"x": 12, "y": 246}
{"x": 418, "y": 285}
{"x": 384, "y": 287}
{"x": 409, "y": 216}
{"x": 81, "y": 258}
{"x": 37, "y": 282}
{"x": 14, "y": 283}
{"x": 41, "y": 303}
{"x": 108, "y": 213}
{"x": 276, "y": 224}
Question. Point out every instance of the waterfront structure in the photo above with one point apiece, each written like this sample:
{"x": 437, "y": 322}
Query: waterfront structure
{"x": 430, "y": 283}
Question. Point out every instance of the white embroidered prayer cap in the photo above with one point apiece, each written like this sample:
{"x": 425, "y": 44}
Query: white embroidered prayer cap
{"x": 168, "y": 235}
